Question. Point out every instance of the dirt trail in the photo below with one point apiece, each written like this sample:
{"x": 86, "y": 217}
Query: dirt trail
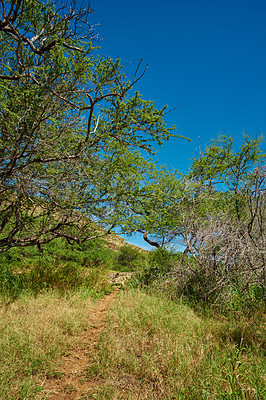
{"x": 72, "y": 384}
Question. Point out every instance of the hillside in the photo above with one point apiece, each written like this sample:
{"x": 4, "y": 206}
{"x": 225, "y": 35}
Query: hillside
{"x": 115, "y": 242}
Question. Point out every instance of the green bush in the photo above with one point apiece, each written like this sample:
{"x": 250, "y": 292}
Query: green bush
{"x": 56, "y": 266}
{"x": 48, "y": 277}
{"x": 89, "y": 254}
{"x": 11, "y": 284}
{"x": 158, "y": 266}
{"x": 58, "y": 252}
{"x": 129, "y": 259}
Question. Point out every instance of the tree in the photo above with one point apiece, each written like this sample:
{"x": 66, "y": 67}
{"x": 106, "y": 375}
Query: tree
{"x": 221, "y": 220}
{"x": 237, "y": 176}
{"x": 216, "y": 211}
{"x": 68, "y": 119}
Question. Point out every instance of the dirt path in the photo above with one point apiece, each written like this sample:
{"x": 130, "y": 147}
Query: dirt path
{"x": 72, "y": 384}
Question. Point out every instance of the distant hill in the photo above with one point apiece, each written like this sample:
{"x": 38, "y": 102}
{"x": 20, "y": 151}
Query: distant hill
{"x": 115, "y": 242}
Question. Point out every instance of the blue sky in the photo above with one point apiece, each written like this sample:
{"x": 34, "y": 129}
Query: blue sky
{"x": 208, "y": 54}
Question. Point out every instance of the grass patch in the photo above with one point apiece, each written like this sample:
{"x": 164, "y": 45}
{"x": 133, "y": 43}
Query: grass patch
{"x": 34, "y": 334}
{"x": 156, "y": 349}
{"x": 64, "y": 279}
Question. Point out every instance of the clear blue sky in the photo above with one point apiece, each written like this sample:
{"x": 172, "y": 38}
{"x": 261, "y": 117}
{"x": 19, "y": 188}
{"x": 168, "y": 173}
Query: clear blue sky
{"x": 208, "y": 54}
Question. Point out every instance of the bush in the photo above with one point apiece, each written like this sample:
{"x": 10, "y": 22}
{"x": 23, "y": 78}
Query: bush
{"x": 200, "y": 286}
{"x": 48, "y": 277}
{"x": 56, "y": 266}
{"x": 203, "y": 289}
{"x": 11, "y": 284}
{"x": 159, "y": 264}
{"x": 129, "y": 259}
{"x": 58, "y": 252}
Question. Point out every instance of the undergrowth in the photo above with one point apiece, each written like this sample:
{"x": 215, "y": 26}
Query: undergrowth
{"x": 158, "y": 349}
{"x": 62, "y": 279}
{"x": 45, "y": 300}
{"x": 158, "y": 344}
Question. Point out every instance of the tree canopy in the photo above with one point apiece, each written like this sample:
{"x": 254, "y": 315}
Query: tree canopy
{"x": 70, "y": 125}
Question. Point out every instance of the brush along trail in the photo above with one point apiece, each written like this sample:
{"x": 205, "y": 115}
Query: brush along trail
{"x": 71, "y": 382}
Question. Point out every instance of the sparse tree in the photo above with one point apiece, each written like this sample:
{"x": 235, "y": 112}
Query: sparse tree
{"x": 223, "y": 220}
{"x": 217, "y": 212}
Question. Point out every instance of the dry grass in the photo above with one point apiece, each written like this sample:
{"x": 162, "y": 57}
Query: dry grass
{"x": 155, "y": 349}
{"x": 151, "y": 349}
{"x": 34, "y": 333}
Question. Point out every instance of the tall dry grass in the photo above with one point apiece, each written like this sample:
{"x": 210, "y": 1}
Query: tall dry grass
{"x": 34, "y": 334}
{"x": 157, "y": 349}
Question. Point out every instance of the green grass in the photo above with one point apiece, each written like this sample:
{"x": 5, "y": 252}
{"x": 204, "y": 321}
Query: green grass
{"x": 42, "y": 306}
{"x": 152, "y": 348}
{"x": 156, "y": 349}
{"x": 44, "y": 277}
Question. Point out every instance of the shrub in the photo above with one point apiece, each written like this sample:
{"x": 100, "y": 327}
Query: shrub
{"x": 159, "y": 264}
{"x": 11, "y": 284}
{"x": 129, "y": 258}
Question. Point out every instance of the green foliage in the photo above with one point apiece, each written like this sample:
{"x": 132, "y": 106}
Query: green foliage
{"x": 70, "y": 125}
{"x": 129, "y": 259}
{"x": 229, "y": 165}
{"x": 11, "y": 285}
{"x": 65, "y": 279}
{"x": 158, "y": 266}
{"x": 217, "y": 212}
{"x": 57, "y": 267}
{"x": 88, "y": 254}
